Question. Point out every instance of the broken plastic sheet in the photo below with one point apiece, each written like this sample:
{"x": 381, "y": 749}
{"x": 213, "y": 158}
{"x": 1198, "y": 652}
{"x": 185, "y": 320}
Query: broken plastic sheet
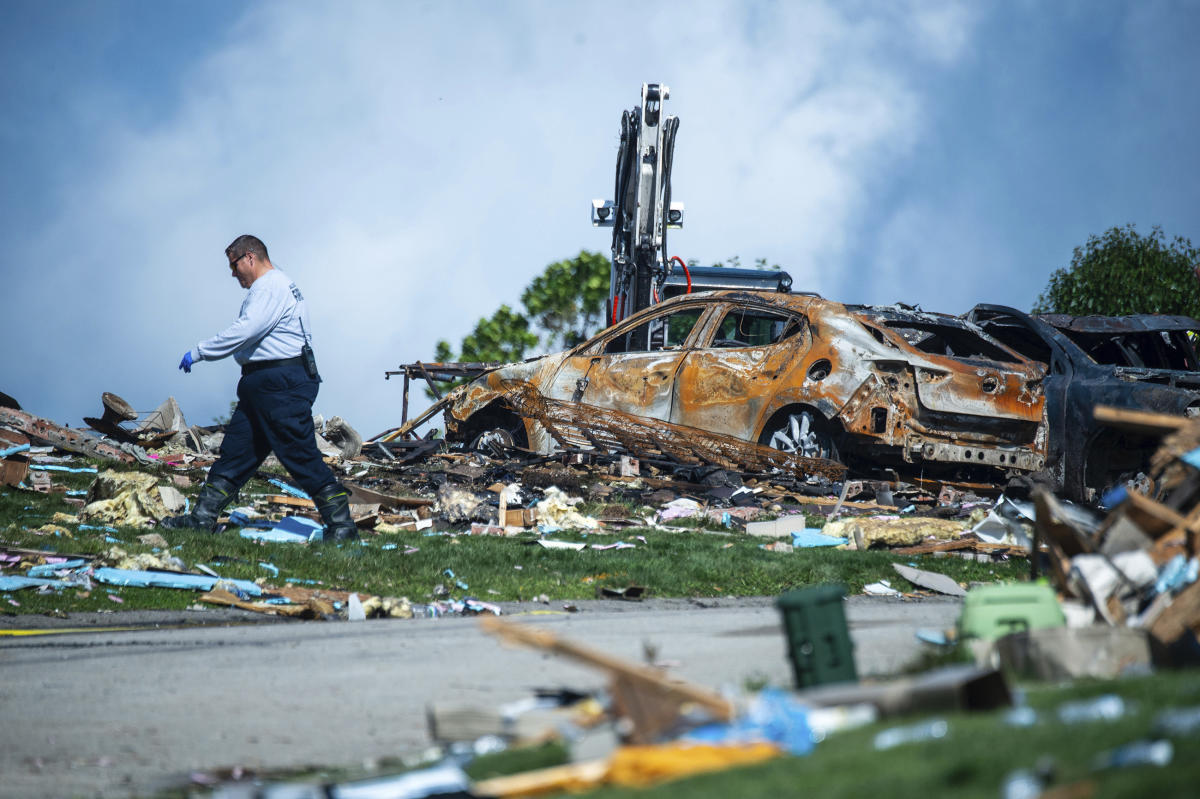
{"x": 681, "y": 508}
{"x": 931, "y": 580}
{"x": 15, "y": 582}
{"x": 288, "y": 489}
{"x": 551, "y": 544}
{"x": 881, "y": 588}
{"x": 49, "y": 569}
{"x": 813, "y": 537}
{"x": 773, "y": 716}
{"x": 289, "y": 530}
{"x": 49, "y": 467}
{"x": 148, "y": 579}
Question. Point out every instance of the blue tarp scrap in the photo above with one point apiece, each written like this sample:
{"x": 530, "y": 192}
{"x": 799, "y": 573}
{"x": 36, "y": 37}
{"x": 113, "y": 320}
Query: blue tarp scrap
{"x": 16, "y": 582}
{"x": 287, "y": 489}
{"x": 50, "y": 467}
{"x": 288, "y": 530}
{"x": 148, "y": 579}
{"x": 773, "y": 716}
{"x": 813, "y": 537}
{"x": 48, "y": 569}
{"x": 1192, "y": 458}
{"x": 13, "y": 450}
{"x": 239, "y": 519}
{"x": 101, "y": 527}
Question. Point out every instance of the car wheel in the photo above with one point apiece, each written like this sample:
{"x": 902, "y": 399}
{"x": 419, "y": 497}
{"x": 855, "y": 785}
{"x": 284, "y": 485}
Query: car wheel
{"x": 803, "y": 434}
{"x": 493, "y": 441}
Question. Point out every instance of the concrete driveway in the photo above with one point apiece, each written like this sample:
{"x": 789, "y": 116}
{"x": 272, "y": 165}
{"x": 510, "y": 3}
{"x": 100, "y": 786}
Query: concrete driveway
{"x": 125, "y": 713}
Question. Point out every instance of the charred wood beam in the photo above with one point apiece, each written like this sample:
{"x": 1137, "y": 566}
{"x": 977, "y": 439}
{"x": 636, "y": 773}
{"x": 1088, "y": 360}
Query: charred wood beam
{"x": 62, "y": 437}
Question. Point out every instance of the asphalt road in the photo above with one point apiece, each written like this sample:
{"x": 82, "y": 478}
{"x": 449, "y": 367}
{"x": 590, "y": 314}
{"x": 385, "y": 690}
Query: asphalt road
{"x": 126, "y": 713}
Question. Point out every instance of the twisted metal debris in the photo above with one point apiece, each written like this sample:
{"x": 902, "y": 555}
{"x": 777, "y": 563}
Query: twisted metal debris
{"x": 574, "y": 424}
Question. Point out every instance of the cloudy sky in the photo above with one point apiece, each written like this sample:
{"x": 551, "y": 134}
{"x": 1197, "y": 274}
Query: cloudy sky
{"x": 413, "y": 164}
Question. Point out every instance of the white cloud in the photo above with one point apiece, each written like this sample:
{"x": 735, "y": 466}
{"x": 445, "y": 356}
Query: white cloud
{"x": 412, "y": 166}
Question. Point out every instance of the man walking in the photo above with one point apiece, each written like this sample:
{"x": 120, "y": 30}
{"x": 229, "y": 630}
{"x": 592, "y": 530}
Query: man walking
{"x": 271, "y": 342}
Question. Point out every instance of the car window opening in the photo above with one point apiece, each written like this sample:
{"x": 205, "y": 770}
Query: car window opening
{"x": 1159, "y": 349}
{"x": 953, "y": 342}
{"x": 743, "y": 328}
{"x": 667, "y": 332}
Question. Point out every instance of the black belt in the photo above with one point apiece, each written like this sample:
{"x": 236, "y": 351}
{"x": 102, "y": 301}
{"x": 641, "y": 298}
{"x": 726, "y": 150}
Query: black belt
{"x": 254, "y": 366}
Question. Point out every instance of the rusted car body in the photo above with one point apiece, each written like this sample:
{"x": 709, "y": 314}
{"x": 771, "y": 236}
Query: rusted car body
{"x": 880, "y": 385}
{"x": 1141, "y": 363}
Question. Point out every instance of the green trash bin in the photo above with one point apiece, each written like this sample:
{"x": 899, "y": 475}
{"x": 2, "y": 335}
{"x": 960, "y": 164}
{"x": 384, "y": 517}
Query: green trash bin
{"x": 814, "y": 620}
{"x": 992, "y": 611}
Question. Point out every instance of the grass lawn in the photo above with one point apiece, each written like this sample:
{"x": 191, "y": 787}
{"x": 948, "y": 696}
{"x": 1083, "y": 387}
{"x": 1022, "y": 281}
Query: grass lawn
{"x": 698, "y": 563}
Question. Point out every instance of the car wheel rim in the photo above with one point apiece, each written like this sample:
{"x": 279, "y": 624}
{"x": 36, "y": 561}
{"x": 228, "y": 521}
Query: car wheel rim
{"x": 798, "y": 435}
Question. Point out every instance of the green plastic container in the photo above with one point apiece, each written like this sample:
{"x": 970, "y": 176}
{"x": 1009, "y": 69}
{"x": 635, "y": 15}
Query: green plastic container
{"x": 993, "y": 611}
{"x": 819, "y": 645}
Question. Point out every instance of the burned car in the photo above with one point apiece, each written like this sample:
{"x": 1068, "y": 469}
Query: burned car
{"x": 1146, "y": 341}
{"x": 1142, "y": 363}
{"x": 871, "y": 386}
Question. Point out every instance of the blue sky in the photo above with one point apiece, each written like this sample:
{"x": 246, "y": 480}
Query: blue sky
{"x": 412, "y": 165}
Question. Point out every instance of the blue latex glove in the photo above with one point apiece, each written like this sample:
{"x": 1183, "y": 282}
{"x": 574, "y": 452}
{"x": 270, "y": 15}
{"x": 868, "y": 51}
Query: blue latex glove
{"x": 186, "y": 363}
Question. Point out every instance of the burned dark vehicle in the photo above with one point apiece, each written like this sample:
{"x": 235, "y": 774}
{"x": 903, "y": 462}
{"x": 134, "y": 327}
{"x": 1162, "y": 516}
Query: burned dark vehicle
{"x": 1142, "y": 363}
{"x": 869, "y": 386}
{"x": 1148, "y": 341}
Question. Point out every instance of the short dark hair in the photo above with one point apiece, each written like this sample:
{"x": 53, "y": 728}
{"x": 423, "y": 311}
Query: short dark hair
{"x": 246, "y": 244}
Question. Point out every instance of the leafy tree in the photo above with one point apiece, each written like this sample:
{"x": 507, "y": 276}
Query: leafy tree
{"x": 1123, "y": 272}
{"x": 567, "y": 300}
{"x": 504, "y": 337}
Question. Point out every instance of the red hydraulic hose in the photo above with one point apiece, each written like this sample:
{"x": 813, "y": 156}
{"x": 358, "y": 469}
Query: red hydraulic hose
{"x": 616, "y": 307}
{"x": 685, "y": 272}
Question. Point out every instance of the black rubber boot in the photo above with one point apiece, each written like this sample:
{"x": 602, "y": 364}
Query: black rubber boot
{"x": 333, "y": 503}
{"x": 214, "y": 496}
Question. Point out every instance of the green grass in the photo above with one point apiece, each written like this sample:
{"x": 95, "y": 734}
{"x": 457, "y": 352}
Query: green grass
{"x": 669, "y": 564}
{"x": 979, "y": 751}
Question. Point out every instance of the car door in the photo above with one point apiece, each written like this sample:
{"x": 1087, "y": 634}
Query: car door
{"x": 607, "y": 374}
{"x": 726, "y": 382}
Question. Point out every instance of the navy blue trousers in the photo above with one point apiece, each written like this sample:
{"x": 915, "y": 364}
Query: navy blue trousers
{"x": 274, "y": 413}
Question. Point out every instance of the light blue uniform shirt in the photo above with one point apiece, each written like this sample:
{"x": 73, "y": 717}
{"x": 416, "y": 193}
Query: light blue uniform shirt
{"x": 273, "y": 324}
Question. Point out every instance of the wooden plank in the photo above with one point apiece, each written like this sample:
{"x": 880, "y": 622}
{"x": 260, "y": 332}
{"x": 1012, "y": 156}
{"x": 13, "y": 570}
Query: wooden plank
{"x": 294, "y": 502}
{"x": 623, "y": 672}
{"x": 1179, "y": 617}
{"x": 367, "y": 496}
{"x": 1156, "y": 519}
{"x": 1052, "y": 532}
{"x": 313, "y": 608}
{"x": 1139, "y": 421}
